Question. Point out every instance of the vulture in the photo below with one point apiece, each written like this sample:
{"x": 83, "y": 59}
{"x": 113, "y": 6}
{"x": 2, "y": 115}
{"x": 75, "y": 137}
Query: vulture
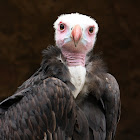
{"x": 71, "y": 96}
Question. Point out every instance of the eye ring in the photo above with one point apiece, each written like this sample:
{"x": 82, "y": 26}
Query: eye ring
{"x": 91, "y": 30}
{"x": 61, "y": 27}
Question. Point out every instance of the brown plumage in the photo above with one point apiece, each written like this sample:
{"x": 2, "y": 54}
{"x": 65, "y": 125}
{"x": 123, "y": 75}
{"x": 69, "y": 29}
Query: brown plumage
{"x": 44, "y": 105}
{"x": 49, "y": 107}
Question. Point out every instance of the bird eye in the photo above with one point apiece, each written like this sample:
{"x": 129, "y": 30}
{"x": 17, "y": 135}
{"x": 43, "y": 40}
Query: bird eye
{"x": 91, "y": 29}
{"x": 62, "y": 26}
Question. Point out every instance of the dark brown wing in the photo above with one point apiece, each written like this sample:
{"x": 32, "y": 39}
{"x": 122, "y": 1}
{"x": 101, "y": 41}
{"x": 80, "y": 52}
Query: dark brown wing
{"x": 112, "y": 103}
{"x": 102, "y": 107}
{"x": 46, "y": 109}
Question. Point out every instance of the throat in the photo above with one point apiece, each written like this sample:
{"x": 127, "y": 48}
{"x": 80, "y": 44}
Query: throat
{"x": 78, "y": 75}
{"x": 74, "y": 59}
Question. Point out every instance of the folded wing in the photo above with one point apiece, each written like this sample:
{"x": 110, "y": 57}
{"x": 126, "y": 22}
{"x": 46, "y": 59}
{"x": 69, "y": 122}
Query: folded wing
{"x": 47, "y": 109}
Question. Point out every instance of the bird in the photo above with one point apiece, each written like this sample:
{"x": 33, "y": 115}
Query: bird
{"x": 71, "y": 96}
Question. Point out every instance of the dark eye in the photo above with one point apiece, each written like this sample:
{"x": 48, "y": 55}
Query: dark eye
{"x": 91, "y": 29}
{"x": 62, "y": 27}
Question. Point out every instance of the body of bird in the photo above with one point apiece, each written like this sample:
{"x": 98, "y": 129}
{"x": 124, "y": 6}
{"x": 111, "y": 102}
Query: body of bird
{"x": 71, "y": 96}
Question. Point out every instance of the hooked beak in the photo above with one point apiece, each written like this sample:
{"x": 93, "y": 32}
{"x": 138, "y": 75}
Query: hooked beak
{"x": 76, "y": 34}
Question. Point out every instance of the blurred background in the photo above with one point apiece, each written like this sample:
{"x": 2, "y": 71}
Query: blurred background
{"x": 26, "y": 28}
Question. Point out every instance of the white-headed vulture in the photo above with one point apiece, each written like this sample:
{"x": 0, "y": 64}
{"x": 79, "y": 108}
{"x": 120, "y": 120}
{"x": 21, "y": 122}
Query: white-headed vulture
{"x": 71, "y": 96}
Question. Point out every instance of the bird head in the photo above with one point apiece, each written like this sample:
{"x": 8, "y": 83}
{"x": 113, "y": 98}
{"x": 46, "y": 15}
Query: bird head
{"x": 75, "y": 33}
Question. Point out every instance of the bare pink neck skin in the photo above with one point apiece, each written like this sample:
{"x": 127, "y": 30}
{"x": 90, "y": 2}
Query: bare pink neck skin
{"x": 74, "y": 59}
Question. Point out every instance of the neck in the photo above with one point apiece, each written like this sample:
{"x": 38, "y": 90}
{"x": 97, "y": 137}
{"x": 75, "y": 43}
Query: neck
{"x": 74, "y": 58}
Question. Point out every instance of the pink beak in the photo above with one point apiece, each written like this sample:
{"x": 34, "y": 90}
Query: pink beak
{"x": 76, "y": 34}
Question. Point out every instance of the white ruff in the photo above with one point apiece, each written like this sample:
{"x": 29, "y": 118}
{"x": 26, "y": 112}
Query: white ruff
{"x": 78, "y": 74}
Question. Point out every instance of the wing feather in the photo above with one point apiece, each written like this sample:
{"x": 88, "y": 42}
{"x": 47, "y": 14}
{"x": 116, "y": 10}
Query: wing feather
{"x": 46, "y": 108}
{"x": 111, "y": 99}
{"x": 102, "y": 107}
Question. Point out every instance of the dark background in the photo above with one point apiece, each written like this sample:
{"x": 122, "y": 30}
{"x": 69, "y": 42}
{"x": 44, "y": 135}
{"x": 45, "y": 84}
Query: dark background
{"x": 26, "y": 27}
